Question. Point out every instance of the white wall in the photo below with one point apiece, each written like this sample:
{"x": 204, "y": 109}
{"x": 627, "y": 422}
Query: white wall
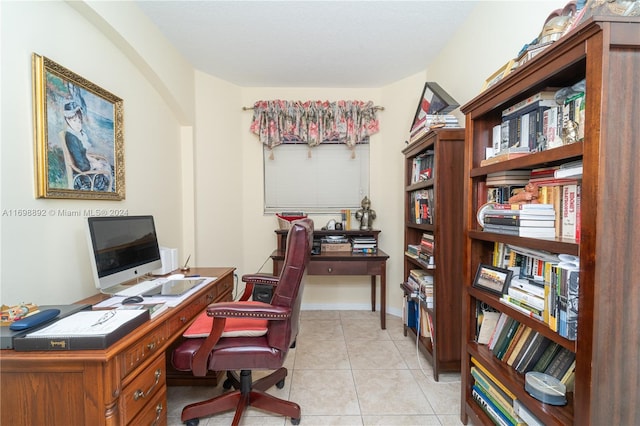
{"x": 45, "y": 260}
{"x": 190, "y": 158}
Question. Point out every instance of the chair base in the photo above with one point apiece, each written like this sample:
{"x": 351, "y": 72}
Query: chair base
{"x": 245, "y": 394}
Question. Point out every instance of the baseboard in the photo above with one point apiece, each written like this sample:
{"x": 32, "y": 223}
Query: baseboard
{"x": 347, "y": 307}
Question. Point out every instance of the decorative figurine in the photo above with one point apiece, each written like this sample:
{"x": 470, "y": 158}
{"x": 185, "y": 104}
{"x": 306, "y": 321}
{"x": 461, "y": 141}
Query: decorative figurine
{"x": 527, "y": 196}
{"x": 365, "y": 215}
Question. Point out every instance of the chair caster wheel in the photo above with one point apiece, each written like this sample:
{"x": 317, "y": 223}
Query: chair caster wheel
{"x": 194, "y": 422}
{"x": 295, "y": 421}
{"x": 280, "y": 385}
{"x": 226, "y": 385}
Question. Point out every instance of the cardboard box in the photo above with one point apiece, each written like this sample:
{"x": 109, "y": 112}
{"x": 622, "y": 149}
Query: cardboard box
{"x": 335, "y": 247}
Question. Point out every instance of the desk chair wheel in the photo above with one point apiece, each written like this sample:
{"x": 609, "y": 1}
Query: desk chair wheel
{"x": 295, "y": 421}
{"x": 280, "y": 385}
{"x": 194, "y": 422}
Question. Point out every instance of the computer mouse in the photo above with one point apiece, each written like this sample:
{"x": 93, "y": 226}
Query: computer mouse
{"x": 133, "y": 299}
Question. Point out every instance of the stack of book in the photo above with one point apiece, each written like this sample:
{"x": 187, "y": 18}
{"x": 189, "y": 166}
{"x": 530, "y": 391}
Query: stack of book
{"x": 432, "y": 121}
{"x": 427, "y": 244}
{"x": 423, "y": 283}
{"x": 505, "y": 184}
{"x": 422, "y": 167}
{"x": 524, "y": 220}
{"x": 364, "y": 245}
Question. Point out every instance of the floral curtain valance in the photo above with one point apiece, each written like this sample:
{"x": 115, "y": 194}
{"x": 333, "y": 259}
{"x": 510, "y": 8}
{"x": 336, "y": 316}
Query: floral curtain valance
{"x": 313, "y": 122}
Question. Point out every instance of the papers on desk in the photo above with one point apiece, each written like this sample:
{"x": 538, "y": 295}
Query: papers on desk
{"x": 83, "y": 330}
{"x": 169, "y": 301}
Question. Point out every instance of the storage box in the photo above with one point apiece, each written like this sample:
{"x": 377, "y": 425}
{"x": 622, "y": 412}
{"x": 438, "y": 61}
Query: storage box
{"x": 335, "y": 247}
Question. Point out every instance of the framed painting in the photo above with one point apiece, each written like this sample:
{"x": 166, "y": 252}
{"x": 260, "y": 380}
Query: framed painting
{"x": 79, "y": 142}
{"x": 434, "y": 100}
{"x": 492, "y": 279}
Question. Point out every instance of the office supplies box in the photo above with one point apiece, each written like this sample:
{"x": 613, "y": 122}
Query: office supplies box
{"x": 83, "y": 330}
{"x": 7, "y": 336}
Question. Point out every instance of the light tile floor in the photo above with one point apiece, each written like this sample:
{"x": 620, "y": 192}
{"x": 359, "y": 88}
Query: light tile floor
{"x": 345, "y": 370}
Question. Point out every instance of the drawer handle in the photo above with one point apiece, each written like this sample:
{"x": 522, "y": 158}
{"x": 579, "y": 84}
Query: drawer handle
{"x": 151, "y": 346}
{"x": 209, "y": 296}
{"x": 329, "y": 269}
{"x": 158, "y": 414}
{"x": 183, "y": 319}
{"x": 141, "y": 394}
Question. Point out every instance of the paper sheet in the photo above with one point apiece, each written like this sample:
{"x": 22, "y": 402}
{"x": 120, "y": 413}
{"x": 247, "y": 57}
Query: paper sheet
{"x": 88, "y": 323}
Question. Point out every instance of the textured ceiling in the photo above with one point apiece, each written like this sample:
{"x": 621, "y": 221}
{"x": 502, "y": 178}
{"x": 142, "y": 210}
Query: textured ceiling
{"x": 308, "y": 43}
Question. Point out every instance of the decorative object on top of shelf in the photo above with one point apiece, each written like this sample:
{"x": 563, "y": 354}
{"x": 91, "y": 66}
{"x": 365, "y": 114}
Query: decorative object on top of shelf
{"x": 434, "y": 100}
{"x": 492, "y": 279}
{"x": 314, "y": 122}
{"x": 610, "y": 7}
{"x": 502, "y": 72}
{"x": 545, "y": 388}
{"x": 529, "y": 195}
{"x": 366, "y": 215}
{"x": 79, "y": 135}
{"x": 481, "y": 212}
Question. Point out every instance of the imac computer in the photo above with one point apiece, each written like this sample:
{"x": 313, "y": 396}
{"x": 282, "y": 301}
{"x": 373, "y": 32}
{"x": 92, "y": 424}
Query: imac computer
{"x": 122, "y": 248}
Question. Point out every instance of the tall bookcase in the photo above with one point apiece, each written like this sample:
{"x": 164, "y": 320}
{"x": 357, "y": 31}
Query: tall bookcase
{"x": 446, "y": 185}
{"x": 605, "y": 51}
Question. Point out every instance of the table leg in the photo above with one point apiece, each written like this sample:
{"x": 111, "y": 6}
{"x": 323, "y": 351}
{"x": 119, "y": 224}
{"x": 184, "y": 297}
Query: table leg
{"x": 373, "y": 293}
{"x": 383, "y": 296}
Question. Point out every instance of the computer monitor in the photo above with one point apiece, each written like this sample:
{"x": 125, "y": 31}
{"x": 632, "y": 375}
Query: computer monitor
{"x": 122, "y": 248}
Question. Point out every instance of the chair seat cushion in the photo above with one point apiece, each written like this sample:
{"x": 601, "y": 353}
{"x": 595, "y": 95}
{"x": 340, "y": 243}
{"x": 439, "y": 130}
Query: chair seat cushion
{"x": 234, "y": 327}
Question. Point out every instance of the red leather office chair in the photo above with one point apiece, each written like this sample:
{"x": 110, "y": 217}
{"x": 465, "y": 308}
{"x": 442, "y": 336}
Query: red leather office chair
{"x": 265, "y": 352}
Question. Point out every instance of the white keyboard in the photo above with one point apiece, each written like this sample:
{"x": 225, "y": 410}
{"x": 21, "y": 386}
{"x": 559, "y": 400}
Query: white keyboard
{"x": 143, "y": 287}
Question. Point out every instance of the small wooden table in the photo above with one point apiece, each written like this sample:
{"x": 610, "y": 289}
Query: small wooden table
{"x": 343, "y": 263}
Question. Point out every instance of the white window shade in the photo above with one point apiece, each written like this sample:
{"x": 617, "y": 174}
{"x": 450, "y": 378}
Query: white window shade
{"x": 329, "y": 179}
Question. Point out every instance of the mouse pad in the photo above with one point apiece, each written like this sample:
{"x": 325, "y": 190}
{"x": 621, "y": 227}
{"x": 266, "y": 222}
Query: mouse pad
{"x": 175, "y": 287}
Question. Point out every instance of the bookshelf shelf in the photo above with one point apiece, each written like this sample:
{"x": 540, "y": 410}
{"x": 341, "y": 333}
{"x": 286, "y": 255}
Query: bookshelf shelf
{"x": 605, "y": 51}
{"x": 447, "y": 146}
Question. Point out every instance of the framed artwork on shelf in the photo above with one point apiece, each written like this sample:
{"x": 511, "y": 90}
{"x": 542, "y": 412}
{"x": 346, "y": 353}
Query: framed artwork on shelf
{"x": 434, "y": 100}
{"x": 492, "y": 279}
{"x": 79, "y": 142}
{"x": 504, "y": 71}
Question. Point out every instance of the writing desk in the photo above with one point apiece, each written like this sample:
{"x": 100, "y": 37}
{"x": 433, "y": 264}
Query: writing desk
{"x": 343, "y": 263}
{"x": 124, "y": 384}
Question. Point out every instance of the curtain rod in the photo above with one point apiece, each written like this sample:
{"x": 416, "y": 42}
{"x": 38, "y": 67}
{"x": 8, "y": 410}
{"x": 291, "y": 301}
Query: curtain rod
{"x": 380, "y": 108}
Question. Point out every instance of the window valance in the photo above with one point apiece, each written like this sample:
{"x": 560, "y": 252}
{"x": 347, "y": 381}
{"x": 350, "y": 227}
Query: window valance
{"x": 314, "y": 122}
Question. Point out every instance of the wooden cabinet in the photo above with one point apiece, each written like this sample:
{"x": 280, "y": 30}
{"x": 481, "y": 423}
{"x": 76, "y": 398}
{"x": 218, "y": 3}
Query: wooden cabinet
{"x": 605, "y": 52}
{"x": 445, "y": 186}
{"x": 124, "y": 384}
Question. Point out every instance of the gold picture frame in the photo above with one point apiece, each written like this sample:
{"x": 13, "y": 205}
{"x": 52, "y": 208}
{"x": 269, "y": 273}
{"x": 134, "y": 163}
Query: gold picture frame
{"x": 504, "y": 71}
{"x": 79, "y": 136}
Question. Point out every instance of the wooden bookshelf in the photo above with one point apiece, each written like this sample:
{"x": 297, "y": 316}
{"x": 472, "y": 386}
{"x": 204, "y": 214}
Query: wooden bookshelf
{"x": 446, "y": 183}
{"x": 605, "y": 51}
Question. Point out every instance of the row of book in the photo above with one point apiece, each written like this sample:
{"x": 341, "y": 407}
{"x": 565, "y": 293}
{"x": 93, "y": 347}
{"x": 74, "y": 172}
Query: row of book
{"x": 545, "y": 120}
{"x": 524, "y": 349}
{"x": 544, "y": 286}
{"x": 524, "y": 220}
{"x": 422, "y": 167}
{"x": 423, "y": 206}
{"x": 497, "y": 401}
{"x": 415, "y": 316}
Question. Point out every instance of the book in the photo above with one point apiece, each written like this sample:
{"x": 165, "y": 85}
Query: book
{"x": 532, "y": 287}
{"x": 569, "y": 170}
{"x": 501, "y": 346}
{"x": 489, "y": 407}
{"x": 547, "y": 97}
{"x": 538, "y": 208}
{"x": 560, "y": 363}
{"x": 514, "y": 342}
{"x": 84, "y": 330}
{"x": 529, "y": 299}
{"x": 532, "y": 356}
{"x": 154, "y": 309}
{"x": 547, "y": 357}
{"x": 522, "y": 340}
{"x": 523, "y": 413}
{"x": 493, "y": 378}
{"x": 489, "y": 322}
{"x": 497, "y": 331}
{"x": 516, "y": 220}
{"x": 501, "y": 401}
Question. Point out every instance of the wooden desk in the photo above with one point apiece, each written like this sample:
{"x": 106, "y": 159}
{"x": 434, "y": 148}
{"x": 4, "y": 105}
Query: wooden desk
{"x": 124, "y": 384}
{"x": 343, "y": 263}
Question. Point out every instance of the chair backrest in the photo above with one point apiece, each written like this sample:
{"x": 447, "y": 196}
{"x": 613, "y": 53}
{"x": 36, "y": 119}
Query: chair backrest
{"x": 288, "y": 292}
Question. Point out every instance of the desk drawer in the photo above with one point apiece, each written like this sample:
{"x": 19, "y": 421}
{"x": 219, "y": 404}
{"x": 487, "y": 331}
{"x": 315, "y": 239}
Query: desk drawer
{"x": 138, "y": 394}
{"x": 155, "y": 412}
{"x": 321, "y": 267}
{"x": 144, "y": 349}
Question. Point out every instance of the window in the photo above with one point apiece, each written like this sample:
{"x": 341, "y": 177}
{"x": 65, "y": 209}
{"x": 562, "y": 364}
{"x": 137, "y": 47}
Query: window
{"x": 328, "y": 180}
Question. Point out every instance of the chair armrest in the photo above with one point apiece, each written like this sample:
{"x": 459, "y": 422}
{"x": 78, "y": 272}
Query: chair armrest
{"x": 244, "y": 310}
{"x": 252, "y": 279}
